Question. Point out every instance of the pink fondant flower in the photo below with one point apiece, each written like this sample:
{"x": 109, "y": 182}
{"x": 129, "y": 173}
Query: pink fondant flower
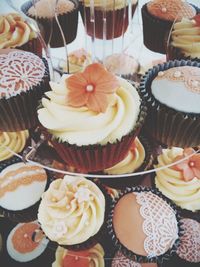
{"x": 92, "y": 88}
{"x": 190, "y": 167}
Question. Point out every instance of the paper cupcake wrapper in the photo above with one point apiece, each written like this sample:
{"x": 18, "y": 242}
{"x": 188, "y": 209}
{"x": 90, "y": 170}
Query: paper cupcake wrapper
{"x": 121, "y": 183}
{"x": 166, "y": 125}
{"x": 20, "y": 112}
{"x": 93, "y": 158}
{"x": 33, "y": 46}
{"x": 50, "y": 30}
{"x": 175, "y": 53}
{"x": 116, "y": 21}
{"x": 130, "y": 254}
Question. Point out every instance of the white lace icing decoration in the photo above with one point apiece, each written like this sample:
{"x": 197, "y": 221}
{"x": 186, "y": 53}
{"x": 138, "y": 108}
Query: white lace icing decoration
{"x": 19, "y": 72}
{"x": 121, "y": 261}
{"x": 189, "y": 248}
{"x": 160, "y": 224}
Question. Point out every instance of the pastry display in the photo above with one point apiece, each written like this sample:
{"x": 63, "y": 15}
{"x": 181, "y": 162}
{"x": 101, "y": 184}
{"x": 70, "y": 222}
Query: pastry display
{"x": 12, "y": 142}
{"x": 104, "y": 114}
{"x": 169, "y": 90}
{"x": 23, "y": 80}
{"x": 18, "y": 182}
{"x": 180, "y": 182}
{"x": 158, "y": 17}
{"x": 15, "y": 32}
{"x": 72, "y": 210}
{"x": 135, "y": 222}
{"x": 115, "y": 13}
{"x": 43, "y": 11}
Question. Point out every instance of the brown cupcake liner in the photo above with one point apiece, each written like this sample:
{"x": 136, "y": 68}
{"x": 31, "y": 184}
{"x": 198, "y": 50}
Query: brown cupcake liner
{"x": 33, "y": 46}
{"x": 93, "y": 158}
{"x": 19, "y": 112}
{"x": 130, "y": 254}
{"x": 176, "y": 53}
{"x": 25, "y": 215}
{"x": 116, "y": 21}
{"x": 50, "y": 29}
{"x": 166, "y": 125}
{"x": 123, "y": 182}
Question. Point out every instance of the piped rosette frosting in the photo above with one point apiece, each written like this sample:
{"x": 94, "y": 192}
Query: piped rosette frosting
{"x": 93, "y": 257}
{"x": 12, "y": 142}
{"x": 21, "y": 186}
{"x": 72, "y": 210}
{"x": 131, "y": 162}
{"x": 186, "y": 36}
{"x": 181, "y": 182}
{"x": 14, "y": 31}
{"x": 91, "y": 107}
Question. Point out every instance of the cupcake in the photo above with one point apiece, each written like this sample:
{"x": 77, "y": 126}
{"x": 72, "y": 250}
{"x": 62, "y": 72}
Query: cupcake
{"x": 185, "y": 40}
{"x": 158, "y": 17}
{"x": 43, "y": 11}
{"x": 16, "y": 33}
{"x": 120, "y": 260}
{"x": 92, "y": 257}
{"x": 24, "y": 78}
{"x": 122, "y": 64}
{"x": 144, "y": 225}
{"x": 189, "y": 248}
{"x": 72, "y": 212}
{"x": 92, "y": 118}
{"x": 12, "y": 142}
{"x": 18, "y": 182}
{"x": 110, "y": 19}
{"x": 76, "y": 62}
{"x": 137, "y": 159}
{"x": 169, "y": 89}
{"x": 22, "y": 249}
{"x": 181, "y": 181}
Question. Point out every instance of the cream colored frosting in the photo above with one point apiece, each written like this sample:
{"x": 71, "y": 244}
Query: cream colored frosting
{"x": 46, "y": 8}
{"x": 131, "y": 162}
{"x": 95, "y": 256}
{"x": 14, "y": 31}
{"x": 186, "y": 37}
{"x": 71, "y": 210}
{"x": 81, "y": 126}
{"x": 108, "y": 4}
{"x": 170, "y": 182}
{"x": 14, "y": 141}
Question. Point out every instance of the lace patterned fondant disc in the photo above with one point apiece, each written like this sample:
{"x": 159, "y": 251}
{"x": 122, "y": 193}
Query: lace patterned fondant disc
{"x": 19, "y": 72}
{"x": 189, "y": 248}
{"x": 121, "y": 261}
{"x": 159, "y": 225}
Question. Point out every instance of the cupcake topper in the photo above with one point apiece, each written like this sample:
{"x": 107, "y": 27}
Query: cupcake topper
{"x": 94, "y": 88}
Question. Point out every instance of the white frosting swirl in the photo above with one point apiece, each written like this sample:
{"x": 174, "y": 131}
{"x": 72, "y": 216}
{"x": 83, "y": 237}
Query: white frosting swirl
{"x": 170, "y": 182}
{"x": 82, "y": 126}
{"x": 71, "y": 210}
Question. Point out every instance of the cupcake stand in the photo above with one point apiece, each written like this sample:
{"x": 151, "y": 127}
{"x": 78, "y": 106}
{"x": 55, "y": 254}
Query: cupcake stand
{"x": 141, "y": 208}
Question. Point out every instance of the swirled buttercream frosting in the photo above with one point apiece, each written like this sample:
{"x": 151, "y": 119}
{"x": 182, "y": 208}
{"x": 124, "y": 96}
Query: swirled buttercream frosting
{"x": 93, "y": 257}
{"x": 186, "y": 37}
{"x": 171, "y": 9}
{"x": 47, "y": 9}
{"x": 20, "y": 71}
{"x": 174, "y": 183}
{"x": 83, "y": 126}
{"x": 14, "y": 31}
{"x": 131, "y": 162}
{"x": 71, "y": 210}
{"x": 14, "y": 141}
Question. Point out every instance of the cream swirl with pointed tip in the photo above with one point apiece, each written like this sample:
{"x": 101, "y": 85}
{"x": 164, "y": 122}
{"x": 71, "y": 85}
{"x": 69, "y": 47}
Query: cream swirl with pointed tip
{"x": 14, "y": 31}
{"x": 14, "y": 141}
{"x": 72, "y": 210}
{"x": 82, "y": 126}
{"x": 95, "y": 256}
{"x": 170, "y": 182}
{"x": 131, "y": 162}
{"x": 186, "y": 37}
